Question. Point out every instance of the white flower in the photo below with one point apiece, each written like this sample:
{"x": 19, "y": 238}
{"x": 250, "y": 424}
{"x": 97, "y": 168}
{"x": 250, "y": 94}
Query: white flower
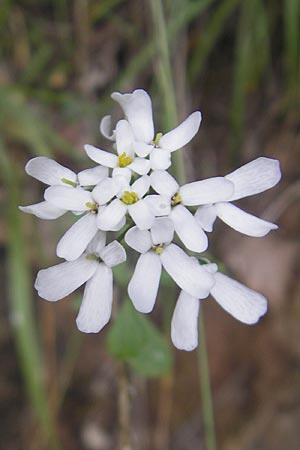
{"x": 129, "y": 199}
{"x": 126, "y": 159}
{"x": 243, "y": 303}
{"x": 137, "y": 108}
{"x": 94, "y": 269}
{"x": 157, "y": 251}
{"x": 191, "y": 194}
{"x": 252, "y": 178}
{"x": 52, "y": 173}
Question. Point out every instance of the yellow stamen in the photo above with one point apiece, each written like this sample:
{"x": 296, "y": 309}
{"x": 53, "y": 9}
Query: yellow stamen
{"x": 176, "y": 199}
{"x": 71, "y": 183}
{"x": 158, "y": 249}
{"x": 157, "y": 139}
{"x": 129, "y": 198}
{"x": 92, "y": 206}
{"x": 124, "y": 160}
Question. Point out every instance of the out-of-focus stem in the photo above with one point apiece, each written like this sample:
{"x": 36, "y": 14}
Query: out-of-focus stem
{"x": 124, "y": 408}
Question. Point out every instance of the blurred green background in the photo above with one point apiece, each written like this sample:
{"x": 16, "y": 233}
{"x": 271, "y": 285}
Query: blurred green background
{"x": 238, "y": 61}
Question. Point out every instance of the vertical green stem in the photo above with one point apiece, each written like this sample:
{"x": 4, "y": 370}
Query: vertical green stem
{"x": 206, "y": 396}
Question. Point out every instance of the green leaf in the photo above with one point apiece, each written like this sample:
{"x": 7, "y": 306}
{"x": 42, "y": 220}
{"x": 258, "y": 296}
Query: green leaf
{"x": 135, "y": 340}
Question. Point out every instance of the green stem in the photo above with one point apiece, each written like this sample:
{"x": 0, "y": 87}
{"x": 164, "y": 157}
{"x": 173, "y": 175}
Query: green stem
{"x": 206, "y": 395}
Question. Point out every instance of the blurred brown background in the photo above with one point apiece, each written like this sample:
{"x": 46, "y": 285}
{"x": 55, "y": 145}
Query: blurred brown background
{"x": 237, "y": 61}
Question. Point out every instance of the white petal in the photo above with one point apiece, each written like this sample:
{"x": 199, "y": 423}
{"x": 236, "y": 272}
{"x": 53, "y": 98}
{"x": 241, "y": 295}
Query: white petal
{"x": 43, "y": 210}
{"x": 76, "y": 239}
{"x": 141, "y": 186}
{"x": 140, "y": 166}
{"x": 105, "y": 191}
{"x": 95, "y": 309}
{"x": 138, "y": 110}
{"x": 141, "y": 214}
{"x": 101, "y": 156}
{"x": 188, "y": 229}
{"x": 210, "y": 268}
{"x": 97, "y": 243}
{"x": 207, "y": 191}
{"x": 160, "y": 159}
{"x": 142, "y": 149}
{"x": 49, "y": 171}
{"x": 242, "y": 221}
{"x": 111, "y": 215}
{"x": 113, "y": 254}
{"x": 182, "y": 134}
{"x": 73, "y": 199}
{"x": 91, "y": 177}
{"x": 254, "y": 177}
{"x": 162, "y": 231}
{"x": 124, "y": 138}
{"x": 184, "y": 325}
{"x": 159, "y": 204}
{"x": 163, "y": 183}
{"x": 139, "y": 240}
{"x": 106, "y": 128}
{"x": 186, "y": 272}
{"x": 206, "y": 216}
{"x": 241, "y": 302}
{"x": 119, "y": 225}
{"x": 59, "y": 281}
{"x": 143, "y": 286}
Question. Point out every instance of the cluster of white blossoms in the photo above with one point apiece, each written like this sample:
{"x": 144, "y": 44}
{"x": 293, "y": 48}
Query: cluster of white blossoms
{"x": 131, "y": 192}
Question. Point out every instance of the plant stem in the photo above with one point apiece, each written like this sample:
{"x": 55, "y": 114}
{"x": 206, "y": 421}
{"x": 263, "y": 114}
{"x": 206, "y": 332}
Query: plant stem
{"x": 206, "y": 396}
{"x": 124, "y": 408}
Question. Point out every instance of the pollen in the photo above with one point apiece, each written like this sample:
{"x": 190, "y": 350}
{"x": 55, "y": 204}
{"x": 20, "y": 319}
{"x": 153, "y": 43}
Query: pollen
{"x": 176, "y": 199}
{"x": 157, "y": 139}
{"x": 124, "y": 160}
{"x": 158, "y": 249}
{"x": 129, "y": 198}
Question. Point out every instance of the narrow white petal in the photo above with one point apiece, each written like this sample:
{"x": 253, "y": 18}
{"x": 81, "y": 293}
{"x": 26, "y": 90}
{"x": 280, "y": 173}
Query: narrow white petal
{"x": 163, "y": 183}
{"x": 143, "y": 286}
{"x": 159, "y": 204}
{"x": 113, "y": 254}
{"x": 206, "y": 216}
{"x": 93, "y": 176}
{"x": 241, "y": 302}
{"x": 97, "y": 243}
{"x": 162, "y": 231}
{"x": 95, "y": 309}
{"x": 255, "y": 177}
{"x": 124, "y": 138}
{"x": 138, "y": 110}
{"x": 105, "y": 191}
{"x": 140, "y": 166}
{"x": 141, "y": 186}
{"x": 184, "y": 325}
{"x": 76, "y": 239}
{"x": 122, "y": 176}
{"x": 43, "y": 210}
{"x": 182, "y": 134}
{"x": 106, "y": 128}
{"x": 59, "y": 281}
{"x": 73, "y": 199}
{"x": 207, "y": 191}
{"x": 139, "y": 240}
{"x": 186, "y": 272}
{"x": 242, "y": 221}
{"x": 101, "y": 156}
{"x": 49, "y": 171}
{"x": 142, "y": 149}
{"x": 188, "y": 229}
{"x": 141, "y": 214}
{"x": 111, "y": 215}
{"x": 160, "y": 159}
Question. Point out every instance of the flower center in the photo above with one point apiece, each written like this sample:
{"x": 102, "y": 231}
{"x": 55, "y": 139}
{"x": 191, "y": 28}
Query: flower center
{"x": 93, "y": 257}
{"x": 158, "y": 249}
{"x": 124, "y": 160}
{"x": 176, "y": 199}
{"x": 92, "y": 206}
{"x": 129, "y": 198}
{"x": 71, "y": 183}
{"x": 157, "y": 139}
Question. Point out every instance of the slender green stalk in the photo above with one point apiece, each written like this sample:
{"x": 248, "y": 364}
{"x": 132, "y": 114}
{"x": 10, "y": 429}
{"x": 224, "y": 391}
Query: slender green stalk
{"x": 166, "y": 85}
{"x": 206, "y": 396}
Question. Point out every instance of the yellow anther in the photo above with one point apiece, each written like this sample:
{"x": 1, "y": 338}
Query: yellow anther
{"x": 92, "y": 257}
{"x": 92, "y": 206}
{"x": 124, "y": 160}
{"x": 129, "y": 198}
{"x": 71, "y": 183}
{"x": 157, "y": 139}
{"x": 176, "y": 199}
{"x": 158, "y": 249}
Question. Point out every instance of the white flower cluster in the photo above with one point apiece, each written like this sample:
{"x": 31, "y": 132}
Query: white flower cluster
{"x": 132, "y": 192}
